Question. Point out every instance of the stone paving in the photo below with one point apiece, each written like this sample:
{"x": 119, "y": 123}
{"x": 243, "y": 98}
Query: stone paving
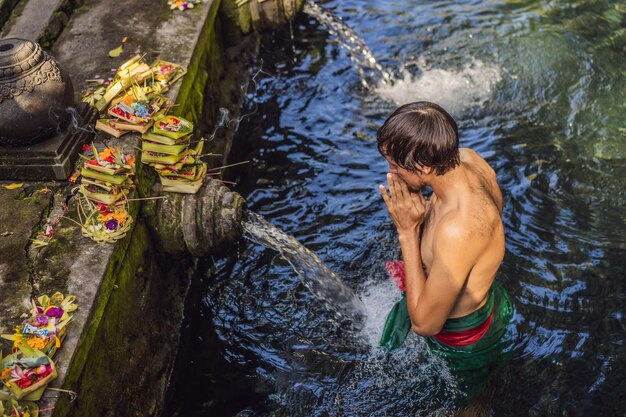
{"x": 72, "y": 263}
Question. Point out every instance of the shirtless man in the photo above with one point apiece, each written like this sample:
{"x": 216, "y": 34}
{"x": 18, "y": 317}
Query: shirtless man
{"x": 453, "y": 243}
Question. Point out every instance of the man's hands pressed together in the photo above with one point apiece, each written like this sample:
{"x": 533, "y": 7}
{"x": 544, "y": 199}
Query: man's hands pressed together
{"x": 406, "y": 208}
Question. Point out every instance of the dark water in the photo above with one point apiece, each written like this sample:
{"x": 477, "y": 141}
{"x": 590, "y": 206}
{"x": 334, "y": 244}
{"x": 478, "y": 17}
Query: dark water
{"x": 538, "y": 89}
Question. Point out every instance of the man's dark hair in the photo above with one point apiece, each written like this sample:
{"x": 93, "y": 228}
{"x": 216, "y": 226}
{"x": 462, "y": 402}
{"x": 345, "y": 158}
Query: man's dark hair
{"x": 420, "y": 133}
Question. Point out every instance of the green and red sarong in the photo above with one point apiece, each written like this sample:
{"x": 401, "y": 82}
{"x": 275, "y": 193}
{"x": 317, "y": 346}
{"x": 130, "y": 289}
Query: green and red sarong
{"x": 473, "y": 345}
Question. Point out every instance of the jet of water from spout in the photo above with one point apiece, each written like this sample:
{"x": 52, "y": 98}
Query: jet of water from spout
{"x": 316, "y": 276}
{"x": 455, "y": 89}
{"x": 369, "y": 70}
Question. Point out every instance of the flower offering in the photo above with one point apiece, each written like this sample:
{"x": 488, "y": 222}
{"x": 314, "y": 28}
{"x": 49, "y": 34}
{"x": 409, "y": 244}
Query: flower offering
{"x": 134, "y": 97}
{"x": 106, "y": 177}
{"x": 102, "y": 222}
{"x": 166, "y": 148}
{"x": 168, "y": 72}
{"x": 44, "y": 330}
{"x": 27, "y": 372}
{"x": 182, "y": 5}
{"x": 173, "y": 126}
{"x": 15, "y": 408}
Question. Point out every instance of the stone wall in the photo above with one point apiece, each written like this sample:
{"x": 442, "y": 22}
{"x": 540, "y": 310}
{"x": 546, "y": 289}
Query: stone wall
{"x": 7, "y": 7}
{"x": 124, "y": 362}
{"x": 120, "y": 349}
{"x": 125, "y": 357}
{"x": 41, "y": 21}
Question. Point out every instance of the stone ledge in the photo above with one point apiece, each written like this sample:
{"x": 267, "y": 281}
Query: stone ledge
{"x": 7, "y": 7}
{"x": 41, "y": 20}
{"x": 21, "y": 212}
{"x": 121, "y": 320}
{"x": 105, "y": 278}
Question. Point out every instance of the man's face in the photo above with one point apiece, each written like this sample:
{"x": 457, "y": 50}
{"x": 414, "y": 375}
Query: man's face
{"x": 414, "y": 180}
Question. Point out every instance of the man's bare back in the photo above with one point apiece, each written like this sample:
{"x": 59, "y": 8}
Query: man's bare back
{"x": 478, "y": 209}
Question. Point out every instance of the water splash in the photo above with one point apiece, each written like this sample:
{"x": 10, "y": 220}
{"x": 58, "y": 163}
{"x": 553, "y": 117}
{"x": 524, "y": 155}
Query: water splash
{"x": 369, "y": 70}
{"x": 454, "y": 90}
{"x": 316, "y": 276}
{"x": 378, "y": 298}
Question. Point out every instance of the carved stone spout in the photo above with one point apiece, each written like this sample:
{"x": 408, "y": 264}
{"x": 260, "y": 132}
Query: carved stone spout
{"x": 260, "y": 15}
{"x": 200, "y": 224}
{"x": 34, "y": 93}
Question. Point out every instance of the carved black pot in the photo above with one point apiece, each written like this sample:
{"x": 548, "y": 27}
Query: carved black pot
{"x": 34, "y": 94}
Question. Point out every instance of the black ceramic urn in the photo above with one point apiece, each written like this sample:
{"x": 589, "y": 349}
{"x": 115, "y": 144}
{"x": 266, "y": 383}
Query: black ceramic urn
{"x": 34, "y": 94}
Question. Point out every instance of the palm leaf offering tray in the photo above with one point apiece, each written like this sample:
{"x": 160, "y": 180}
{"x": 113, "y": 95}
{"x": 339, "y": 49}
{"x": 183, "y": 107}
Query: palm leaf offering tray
{"x": 15, "y": 408}
{"x": 101, "y": 222}
{"x": 134, "y": 97}
{"x": 44, "y": 330}
{"x": 106, "y": 176}
{"x": 150, "y": 136}
{"x": 182, "y": 5}
{"x": 106, "y": 180}
{"x": 26, "y": 373}
{"x": 134, "y": 101}
{"x": 136, "y": 108}
{"x": 168, "y": 71}
{"x": 109, "y": 126}
{"x": 188, "y": 182}
{"x": 167, "y": 148}
{"x": 172, "y": 126}
{"x": 150, "y": 158}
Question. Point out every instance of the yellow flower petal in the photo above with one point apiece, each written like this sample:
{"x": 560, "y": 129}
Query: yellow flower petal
{"x": 114, "y": 53}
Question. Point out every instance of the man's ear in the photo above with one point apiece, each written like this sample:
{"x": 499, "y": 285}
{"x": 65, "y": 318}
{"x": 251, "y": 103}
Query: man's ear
{"x": 426, "y": 170}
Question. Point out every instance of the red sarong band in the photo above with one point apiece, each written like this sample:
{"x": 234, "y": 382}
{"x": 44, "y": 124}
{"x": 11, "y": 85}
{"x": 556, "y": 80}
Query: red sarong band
{"x": 465, "y": 337}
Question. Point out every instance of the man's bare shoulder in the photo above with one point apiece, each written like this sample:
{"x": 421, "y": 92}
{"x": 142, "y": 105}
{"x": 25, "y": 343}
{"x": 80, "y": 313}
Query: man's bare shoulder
{"x": 471, "y": 157}
{"x": 486, "y": 178}
{"x": 467, "y": 227}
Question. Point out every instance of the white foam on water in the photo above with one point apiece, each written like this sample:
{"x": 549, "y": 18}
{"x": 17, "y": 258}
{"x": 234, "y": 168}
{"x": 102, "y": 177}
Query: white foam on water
{"x": 409, "y": 366}
{"x": 378, "y": 298}
{"x": 455, "y": 90}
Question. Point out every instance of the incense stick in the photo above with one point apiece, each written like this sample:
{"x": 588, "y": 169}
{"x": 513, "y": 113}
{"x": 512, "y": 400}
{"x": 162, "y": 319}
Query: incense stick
{"x": 146, "y": 198}
{"x": 228, "y": 166}
{"x": 209, "y": 154}
{"x": 224, "y": 181}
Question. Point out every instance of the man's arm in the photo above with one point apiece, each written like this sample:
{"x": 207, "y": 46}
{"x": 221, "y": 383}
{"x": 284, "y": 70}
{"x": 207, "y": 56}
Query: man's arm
{"x": 455, "y": 251}
{"x": 430, "y": 301}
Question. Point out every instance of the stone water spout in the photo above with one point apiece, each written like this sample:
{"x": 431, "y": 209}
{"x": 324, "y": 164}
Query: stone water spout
{"x": 210, "y": 221}
{"x": 260, "y": 15}
{"x": 200, "y": 224}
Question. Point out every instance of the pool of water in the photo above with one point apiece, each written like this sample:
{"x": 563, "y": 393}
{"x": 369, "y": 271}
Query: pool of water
{"x": 539, "y": 90}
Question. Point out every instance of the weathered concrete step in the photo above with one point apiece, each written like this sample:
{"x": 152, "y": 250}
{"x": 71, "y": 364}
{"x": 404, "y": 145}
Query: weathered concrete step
{"x": 130, "y": 306}
{"x": 41, "y": 20}
{"x": 6, "y": 8}
{"x": 20, "y": 213}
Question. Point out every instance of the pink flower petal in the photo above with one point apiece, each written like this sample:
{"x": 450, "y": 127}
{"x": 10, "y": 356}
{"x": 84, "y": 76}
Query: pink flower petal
{"x": 395, "y": 269}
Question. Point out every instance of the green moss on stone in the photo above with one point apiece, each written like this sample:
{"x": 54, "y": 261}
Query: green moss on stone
{"x": 204, "y": 70}
{"x": 126, "y": 351}
{"x": 137, "y": 317}
{"x": 19, "y": 218}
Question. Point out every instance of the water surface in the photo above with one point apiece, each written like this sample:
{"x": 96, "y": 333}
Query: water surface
{"x": 539, "y": 90}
